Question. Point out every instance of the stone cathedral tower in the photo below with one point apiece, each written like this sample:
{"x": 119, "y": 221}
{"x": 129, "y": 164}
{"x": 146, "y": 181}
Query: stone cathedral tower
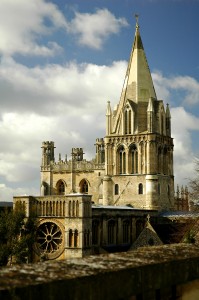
{"x": 134, "y": 162}
{"x": 89, "y": 207}
{"x": 138, "y": 143}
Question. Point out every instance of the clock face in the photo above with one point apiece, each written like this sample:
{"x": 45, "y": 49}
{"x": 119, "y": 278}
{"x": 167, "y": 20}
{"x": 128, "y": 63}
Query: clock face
{"x": 49, "y": 239}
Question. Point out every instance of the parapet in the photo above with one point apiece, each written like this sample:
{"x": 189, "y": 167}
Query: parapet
{"x": 162, "y": 272}
{"x": 47, "y": 144}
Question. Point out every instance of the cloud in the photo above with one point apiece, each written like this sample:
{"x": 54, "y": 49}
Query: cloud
{"x": 93, "y": 29}
{"x": 186, "y": 86}
{"x": 184, "y": 152}
{"x": 55, "y": 88}
{"x": 180, "y": 91}
{"x": 66, "y": 104}
{"x": 22, "y": 23}
{"x": 6, "y": 192}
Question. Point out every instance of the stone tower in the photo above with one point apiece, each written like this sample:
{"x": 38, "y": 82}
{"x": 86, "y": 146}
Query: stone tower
{"x": 138, "y": 144}
{"x": 47, "y": 159}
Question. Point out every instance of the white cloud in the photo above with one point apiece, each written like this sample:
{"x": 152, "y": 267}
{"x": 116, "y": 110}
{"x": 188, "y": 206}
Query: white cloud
{"x": 184, "y": 123}
{"x": 183, "y": 84}
{"x": 7, "y": 192}
{"x": 58, "y": 89}
{"x": 22, "y": 23}
{"x": 66, "y": 104}
{"x": 93, "y": 29}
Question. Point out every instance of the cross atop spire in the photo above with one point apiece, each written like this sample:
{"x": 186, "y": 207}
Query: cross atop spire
{"x": 137, "y": 18}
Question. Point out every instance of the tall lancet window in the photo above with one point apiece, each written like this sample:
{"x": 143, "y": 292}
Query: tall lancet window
{"x": 127, "y": 120}
{"x": 133, "y": 159}
{"x": 159, "y": 160}
{"x": 162, "y": 124}
{"x": 122, "y": 160}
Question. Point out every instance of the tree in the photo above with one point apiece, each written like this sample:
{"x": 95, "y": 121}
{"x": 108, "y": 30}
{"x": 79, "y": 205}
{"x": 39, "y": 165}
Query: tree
{"x": 17, "y": 235}
{"x": 194, "y": 183}
{"x": 190, "y": 237}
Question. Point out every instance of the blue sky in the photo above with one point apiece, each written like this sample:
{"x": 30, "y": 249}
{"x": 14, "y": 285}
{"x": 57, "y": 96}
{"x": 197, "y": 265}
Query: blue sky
{"x": 61, "y": 61}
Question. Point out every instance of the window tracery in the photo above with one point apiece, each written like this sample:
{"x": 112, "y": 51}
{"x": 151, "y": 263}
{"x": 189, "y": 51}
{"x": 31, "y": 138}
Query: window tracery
{"x": 122, "y": 160}
{"x": 127, "y": 120}
{"x": 133, "y": 159}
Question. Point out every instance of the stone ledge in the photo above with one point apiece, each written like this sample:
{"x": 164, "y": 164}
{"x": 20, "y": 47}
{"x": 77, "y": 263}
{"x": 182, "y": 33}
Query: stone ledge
{"x": 112, "y": 276}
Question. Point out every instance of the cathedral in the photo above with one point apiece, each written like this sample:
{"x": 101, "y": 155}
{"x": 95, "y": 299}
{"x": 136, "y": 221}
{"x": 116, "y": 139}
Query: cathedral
{"x": 134, "y": 161}
{"x": 108, "y": 204}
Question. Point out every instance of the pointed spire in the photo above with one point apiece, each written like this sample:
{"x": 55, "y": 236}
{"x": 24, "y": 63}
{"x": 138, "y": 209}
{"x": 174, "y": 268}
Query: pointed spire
{"x": 108, "y": 109}
{"x": 150, "y": 106}
{"x": 168, "y": 115}
{"x": 108, "y": 119}
{"x": 168, "y": 121}
{"x": 150, "y": 116}
{"x": 138, "y": 41}
{"x": 139, "y": 81}
{"x": 138, "y": 85}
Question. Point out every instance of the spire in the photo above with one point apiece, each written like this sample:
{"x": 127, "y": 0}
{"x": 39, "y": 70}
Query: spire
{"x": 168, "y": 115}
{"x": 138, "y": 82}
{"x": 168, "y": 121}
{"x": 138, "y": 85}
{"x": 150, "y": 106}
{"x": 138, "y": 41}
{"x": 108, "y": 109}
{"x": 108, "y": 118}
{"x": 150, "y": 116}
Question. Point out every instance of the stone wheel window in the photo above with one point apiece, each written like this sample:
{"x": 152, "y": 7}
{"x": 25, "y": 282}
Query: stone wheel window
{"x": 49, "y": 237}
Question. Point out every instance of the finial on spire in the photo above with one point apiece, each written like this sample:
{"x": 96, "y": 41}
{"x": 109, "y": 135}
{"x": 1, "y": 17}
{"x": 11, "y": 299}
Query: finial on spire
{"x": 137, "y": 18}
{"x": 148, "y": 218}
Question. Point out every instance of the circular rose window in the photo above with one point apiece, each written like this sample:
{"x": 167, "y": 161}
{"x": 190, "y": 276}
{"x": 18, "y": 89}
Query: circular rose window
{"x": 49, "y": 239}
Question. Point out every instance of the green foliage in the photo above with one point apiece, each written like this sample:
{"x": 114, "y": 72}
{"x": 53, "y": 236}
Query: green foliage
{"x": 17, "y": 236}
{"x": 190, "y": 237}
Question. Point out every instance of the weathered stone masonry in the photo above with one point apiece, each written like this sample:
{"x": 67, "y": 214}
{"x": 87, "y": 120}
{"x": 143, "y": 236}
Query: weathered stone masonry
{"x": 164, "y": 272}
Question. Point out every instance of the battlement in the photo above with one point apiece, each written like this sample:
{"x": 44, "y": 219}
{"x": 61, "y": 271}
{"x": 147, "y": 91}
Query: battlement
{"x": 181, "y": 198}
{"x": 47, "y": 144}
{"x": 99, "y": 141}
{"x": 77, "y": 154}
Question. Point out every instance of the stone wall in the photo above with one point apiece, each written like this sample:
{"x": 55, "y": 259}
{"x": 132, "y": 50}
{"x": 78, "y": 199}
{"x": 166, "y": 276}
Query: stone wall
{"x": 163, "y": 272}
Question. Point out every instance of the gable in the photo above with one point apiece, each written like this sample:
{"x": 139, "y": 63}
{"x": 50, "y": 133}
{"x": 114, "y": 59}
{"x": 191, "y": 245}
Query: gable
{"x": 148, "y": 237}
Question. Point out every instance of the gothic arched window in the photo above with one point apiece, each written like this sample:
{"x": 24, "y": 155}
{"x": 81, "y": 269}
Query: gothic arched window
{"x": 77, "y": 208}
{"x": 116, "y": 189}
{"x": 70, "y": 238}
{"x": 111, "y": 232}
{"x": 133, "y": 159}
{"x": 95, "y": 232}
{"x": 159, "y": 160}
{"x": 140, "y": 188}
{"x": 122, "y": 160}
{"x": 127, "y": 120}
{"x": 83, "y": 186}
{"x": 162, "y": 124}
{"x": 76, "y": 238}
{"x": 165, "y": 163}
{"x": 126, "y": 231}
{"x": 60, "y": 187}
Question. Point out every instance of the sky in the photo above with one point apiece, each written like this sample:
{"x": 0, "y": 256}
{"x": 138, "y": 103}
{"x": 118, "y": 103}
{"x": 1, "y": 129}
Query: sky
{"x": 62, "y": 60}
